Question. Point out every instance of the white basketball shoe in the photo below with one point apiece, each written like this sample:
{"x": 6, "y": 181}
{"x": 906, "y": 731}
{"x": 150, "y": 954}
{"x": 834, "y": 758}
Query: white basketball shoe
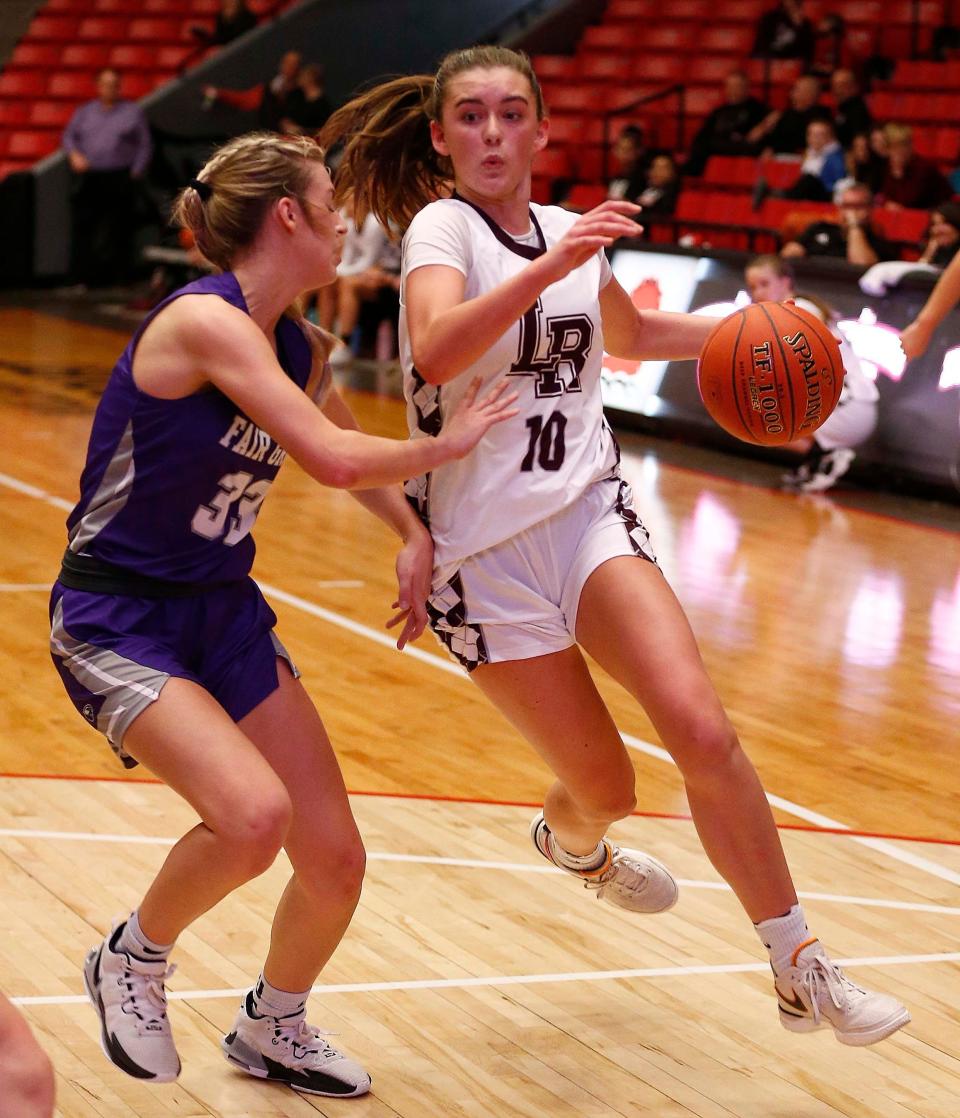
{"x": 288, "y": 1050}
{"x": 815, "y": 992}
{"x": 628, "y": 878}
{"x": 129, "y": 997}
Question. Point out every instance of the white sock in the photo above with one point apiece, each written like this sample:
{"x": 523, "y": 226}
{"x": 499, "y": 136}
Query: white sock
{"x": 268, "y": 1001}
{"x": 578, "y": 862}
{"x": 782, "y": 935}
{"x": 134, "y": 942}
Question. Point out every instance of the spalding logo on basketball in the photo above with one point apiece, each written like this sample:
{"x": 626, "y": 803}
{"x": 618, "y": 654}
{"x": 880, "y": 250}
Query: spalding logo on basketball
{"x": 770, "y": 373}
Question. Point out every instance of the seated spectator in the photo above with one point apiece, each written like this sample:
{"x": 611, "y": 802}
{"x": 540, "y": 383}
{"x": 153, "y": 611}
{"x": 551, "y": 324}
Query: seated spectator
{"x": 910, "y": 181}
{"x": 943, "y": 235}
{"x": 725, "y": 130}
{"x": 828, "y": 453}
{"x": 108, "y": 146}
{"x": 867, "y": 158}
{"x": 823, "y": 165}
{"x": 307, "y": 108}
{"x": 659, "y": 196}
{"x": 851, "y": 116}
{"x": 784, "y": 32}
{"x": 851, "y": 237}
{"x": 631, "y": 160}
{"x": 785, "y": 131}
{"x": 828, "y": 47}
{"x": 233, "y": 20}
{"x": 369, "y": 264}
{"x": 269, "y": 100}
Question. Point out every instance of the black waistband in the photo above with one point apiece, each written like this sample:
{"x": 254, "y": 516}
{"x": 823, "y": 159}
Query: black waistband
{"x": 85, "y": 572}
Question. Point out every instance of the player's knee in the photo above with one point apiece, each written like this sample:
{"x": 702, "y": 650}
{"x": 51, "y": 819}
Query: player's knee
{"x": 707, "y": 745}
{"x": 28, "y": 1083}
{"x": 336, "y": 877}
{"x": 257, "y": 833}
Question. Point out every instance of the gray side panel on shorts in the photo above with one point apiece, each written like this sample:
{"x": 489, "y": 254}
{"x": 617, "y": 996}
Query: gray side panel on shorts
{"x": 127, "y": 687}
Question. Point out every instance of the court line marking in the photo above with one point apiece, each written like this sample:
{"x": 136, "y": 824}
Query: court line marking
{"x": 638, "y": 744}
{"x": 881, "y": 846}
{"x": 340, "y": 583}
{"x": 517, "y": 979}
{"x": 15, "y": 587}
{"x": 484, "y": 864}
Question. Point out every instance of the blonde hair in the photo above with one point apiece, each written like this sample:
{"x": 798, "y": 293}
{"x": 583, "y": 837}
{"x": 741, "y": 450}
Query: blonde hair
{"x": 237, "y": 186}
{"x": 389, "y": 162}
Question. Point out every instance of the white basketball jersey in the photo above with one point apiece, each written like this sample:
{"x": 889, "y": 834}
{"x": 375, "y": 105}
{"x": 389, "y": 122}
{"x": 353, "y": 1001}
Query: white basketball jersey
{"x": 531, "y": 466}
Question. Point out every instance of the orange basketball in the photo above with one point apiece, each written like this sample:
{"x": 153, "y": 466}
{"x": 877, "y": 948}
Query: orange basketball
{"x": 770, "y": 373}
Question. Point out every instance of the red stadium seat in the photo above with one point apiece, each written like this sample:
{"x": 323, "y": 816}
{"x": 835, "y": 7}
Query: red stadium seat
{"x": 14, "y": 112}
{"x": 155, "y": 30}
{"x": 584, "y": 196}
{"x": 23, "y": 83}
{"x": 51, "y": 114}
{"x": 631, "y": 10}
{"x": 604, "y": 67}
{"x": 85, "y": 56}
{"x": 78, "y": 86}
{"x": 731, "y": 171}
{"x": 109, "y": 29}
{"x": 61, "y": 29}
{"x": 552, "y": 163}
{"x": 561, "y": 67}
{"x": 32, "y": 145}
{"x": 27, "y": 55}
{"x": 132, "y": 56}
{"x": 902, "y": 225}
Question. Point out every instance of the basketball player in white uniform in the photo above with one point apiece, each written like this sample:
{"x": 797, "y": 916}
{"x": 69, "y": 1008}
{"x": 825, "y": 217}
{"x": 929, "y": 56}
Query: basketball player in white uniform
{"x": 537, "y": 550}
{"x": 830, "y": 451}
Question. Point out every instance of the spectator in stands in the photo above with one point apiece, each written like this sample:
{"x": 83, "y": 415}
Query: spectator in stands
{"x": 108, "y": 145}
{"x": 943, "y": 235}
{"x": 867, "y": 158}
{"x": 823, "y": 165}
{"x": 307, "y": 108}
{"x": 851, "y": 237}
{"x": 268, "y": 100}
{"x": 725, "y": 130}
{"x": 785, "y": 32}
{"x": 659, "y": 196}
{"x": 910, "y": 181}
{"x": 369, "y": 265}
{"x": 785, "y": 131}
{"x": 828, "y": 453}
{"x": 632, "y": 160}
{"x": 851, "y": 116}
{"x": 233, "y": 20}
{"x": 828, "y": 45}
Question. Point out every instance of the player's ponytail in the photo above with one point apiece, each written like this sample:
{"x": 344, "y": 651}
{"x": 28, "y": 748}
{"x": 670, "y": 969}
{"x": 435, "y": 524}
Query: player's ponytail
{"x": 389, "y": 163}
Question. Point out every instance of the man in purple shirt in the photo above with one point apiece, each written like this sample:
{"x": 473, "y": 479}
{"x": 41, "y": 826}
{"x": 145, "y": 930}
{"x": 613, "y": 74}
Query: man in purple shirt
{"x": 108, "y": 145}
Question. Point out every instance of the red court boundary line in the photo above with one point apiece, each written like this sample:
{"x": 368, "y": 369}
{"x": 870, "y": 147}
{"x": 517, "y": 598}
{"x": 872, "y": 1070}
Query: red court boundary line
{"x": 431, "y": 797}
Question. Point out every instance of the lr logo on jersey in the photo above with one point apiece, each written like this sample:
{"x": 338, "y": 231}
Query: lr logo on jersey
{"x": 551, "y": 349}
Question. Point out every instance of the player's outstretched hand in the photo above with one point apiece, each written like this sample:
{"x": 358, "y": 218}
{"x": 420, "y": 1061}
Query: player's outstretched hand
{"x": 474, "y": 417}
{"x": 597, "y": 228}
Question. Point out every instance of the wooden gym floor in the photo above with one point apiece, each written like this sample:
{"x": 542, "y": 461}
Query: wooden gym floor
{"x": 474, "y": 980}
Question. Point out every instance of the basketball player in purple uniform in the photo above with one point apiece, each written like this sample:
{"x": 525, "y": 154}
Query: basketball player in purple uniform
{"x": 166, "y": 645}
{"x": 537, "y": 548}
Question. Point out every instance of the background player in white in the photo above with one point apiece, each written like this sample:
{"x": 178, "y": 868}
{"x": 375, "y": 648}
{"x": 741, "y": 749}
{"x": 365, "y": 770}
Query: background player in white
{"x": 165, "y": 643}
{"x": 536, "y": 544}
{"x": 829, "y": 452}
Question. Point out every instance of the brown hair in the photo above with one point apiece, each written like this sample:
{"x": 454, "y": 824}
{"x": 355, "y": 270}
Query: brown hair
{"x": 237, "y": 186}
{"x": 389, "y": 162}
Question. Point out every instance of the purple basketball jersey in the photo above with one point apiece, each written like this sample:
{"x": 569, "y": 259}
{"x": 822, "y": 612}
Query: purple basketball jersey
{"x": 171, "y": 488}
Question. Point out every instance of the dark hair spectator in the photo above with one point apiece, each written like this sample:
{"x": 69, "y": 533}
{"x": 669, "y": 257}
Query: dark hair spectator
{"x": 823, "y": 165}
{"x": 851, "y": 113}
{"x": 867, "y": 157}
{"x": 910, "y": 180}
{"x": 785, "y": 32}
{"x": 631, "y": 160}
{"x": 659, "y": 196}
{"x": 233, "y": 20}
{"x": 269, "y": 100}
{"x": 943, "y": 235}
{"x": 725, "y": 129}
{"x": 307, "y": 107}
{"x": 785, "y": 131}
